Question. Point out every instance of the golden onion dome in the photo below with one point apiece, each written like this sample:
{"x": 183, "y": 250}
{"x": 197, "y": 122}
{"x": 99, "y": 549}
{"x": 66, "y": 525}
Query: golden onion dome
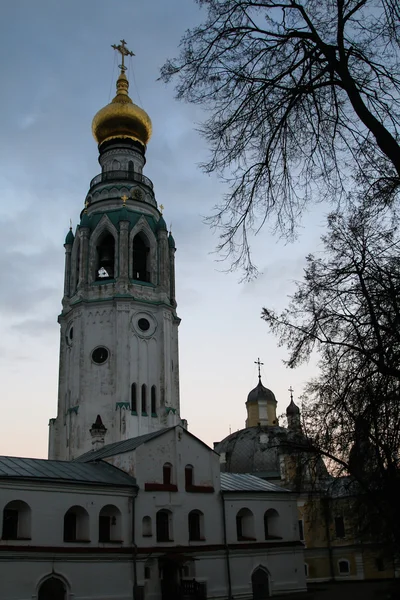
{"x": 122, "y": 118}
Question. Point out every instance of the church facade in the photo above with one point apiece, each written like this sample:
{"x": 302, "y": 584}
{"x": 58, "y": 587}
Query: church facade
{"x": 131, "y": 505}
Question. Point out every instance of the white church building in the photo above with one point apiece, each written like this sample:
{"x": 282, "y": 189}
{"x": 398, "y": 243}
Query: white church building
{"x": 130, "y": 505}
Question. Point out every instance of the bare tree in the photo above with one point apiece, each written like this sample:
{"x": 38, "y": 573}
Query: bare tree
{"x": 347, "y": 311}
{"x": 304, "y": 102}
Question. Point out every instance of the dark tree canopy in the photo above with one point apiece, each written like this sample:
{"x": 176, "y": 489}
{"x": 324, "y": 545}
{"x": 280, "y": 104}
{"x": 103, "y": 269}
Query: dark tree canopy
{"x": 304, "y": 103}
{"x": 347, "y": 310}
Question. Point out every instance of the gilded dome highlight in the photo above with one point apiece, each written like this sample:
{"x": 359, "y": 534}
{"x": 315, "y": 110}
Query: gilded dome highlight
{"x": 122, "y": 118}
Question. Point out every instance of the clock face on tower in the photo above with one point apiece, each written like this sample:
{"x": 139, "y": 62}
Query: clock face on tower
{"x": 100, "y": 355}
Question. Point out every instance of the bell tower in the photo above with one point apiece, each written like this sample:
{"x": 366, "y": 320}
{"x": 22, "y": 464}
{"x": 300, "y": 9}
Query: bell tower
{"x": 119, "y": 362}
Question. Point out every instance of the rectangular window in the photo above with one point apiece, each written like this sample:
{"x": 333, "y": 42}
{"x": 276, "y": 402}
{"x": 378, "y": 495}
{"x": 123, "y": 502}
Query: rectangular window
{"x": 10, "y": 524}
{"x": 104, "y": 529}
{"x": 339, "y": 527}
{"x": 301, "y": 530}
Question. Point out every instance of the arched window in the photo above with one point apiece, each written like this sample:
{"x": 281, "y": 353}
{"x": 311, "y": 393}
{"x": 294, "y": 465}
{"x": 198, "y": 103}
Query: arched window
{"x": 76, "y": 525}
{"x": 147, "y": 530}
{"x": 140, "y": 271}
{"x": 110, "y": 524}
{"x": 245, "y": 525}
{"x": 52, "y": 589}
{"x": 153, "y": 401}
{"x": 344, "y": 566}
{"x": 167, "y": 474}
{"x": 106, "y": 258}
{"x": 164, "y": 526}
{"x": 188, "y": 476}
{"x": 195, "y": 523}
{"x": 133, "y": 398}
{"x": 144, "y": 399}
{"x": 116, "y": 166}
{"x": 16, "y": 521}
{"x": 271, "y": 523}
{"x": 130, "y": 166}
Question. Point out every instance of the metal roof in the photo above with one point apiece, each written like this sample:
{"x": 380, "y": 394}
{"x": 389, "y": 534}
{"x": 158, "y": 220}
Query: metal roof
{"x": 120, "y": 447}
{"x": 240, "y": 482}
{"x": 12, "y": 467}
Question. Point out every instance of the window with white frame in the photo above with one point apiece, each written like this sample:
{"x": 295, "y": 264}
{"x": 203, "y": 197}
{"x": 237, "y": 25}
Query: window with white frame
{"x": 344, "y": 566}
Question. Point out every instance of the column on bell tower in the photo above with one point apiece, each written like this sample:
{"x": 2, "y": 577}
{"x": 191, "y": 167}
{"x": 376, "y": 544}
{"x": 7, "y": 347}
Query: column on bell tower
{"x": 119, "y": 327}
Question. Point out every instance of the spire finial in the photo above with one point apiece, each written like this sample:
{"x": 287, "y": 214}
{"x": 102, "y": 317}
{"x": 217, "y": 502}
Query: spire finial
{"x": 70, "y": 224}
{"x": 257, "y": 362}
{"x": 291, "y": 390}
{"x": 123, "y": 50}
{"x": 124, "y": 198}
{"x": 161, "y": 208}
{"x": 86, "y": 205}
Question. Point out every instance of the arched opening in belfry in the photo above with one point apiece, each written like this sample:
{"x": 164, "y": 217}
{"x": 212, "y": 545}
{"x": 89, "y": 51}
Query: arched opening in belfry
{"x": 105, "y": 268}
{"x": 141, "y": 251}
{"x": 130, "y": 166}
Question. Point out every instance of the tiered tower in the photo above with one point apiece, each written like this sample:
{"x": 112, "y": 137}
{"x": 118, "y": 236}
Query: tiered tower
{"x": 119, "y": 366}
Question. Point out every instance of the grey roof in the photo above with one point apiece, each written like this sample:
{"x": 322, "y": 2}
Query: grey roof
{"x": 12, "y": 467}
{"x": 239, "y": 482}
{"x": 120, "y": 447}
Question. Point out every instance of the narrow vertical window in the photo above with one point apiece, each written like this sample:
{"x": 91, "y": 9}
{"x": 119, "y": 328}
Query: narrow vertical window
{"x": 239, "y": 527}
{"x": 144, "y": 400}
{"x": 130, "y": 166}
{"x": 188, "y": 476}
{"x": 339, "y": 527}
{"x": 153, "y": 401}
{"x": 133, "y": 398}
{"x": 140, "y": 259}
{"x": 301, "y": 530}
{"x": 167, "y": 473}
{"x": 266, "y": 528}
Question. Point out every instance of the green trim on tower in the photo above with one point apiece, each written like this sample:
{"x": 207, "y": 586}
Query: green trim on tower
{"x": 117, "y": 215}
{"x": 171, "y": 241}
{"x": 69, "y": 239}
{"x": 161, "y": 225}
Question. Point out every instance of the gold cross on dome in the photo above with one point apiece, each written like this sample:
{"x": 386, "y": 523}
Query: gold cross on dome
{"x": 257, "y": 362}
{"x": 86, "y": 205}
{"x": 161, "y": 208}
{"x": 124, "y": 198}
{"x": 123, "y": 50}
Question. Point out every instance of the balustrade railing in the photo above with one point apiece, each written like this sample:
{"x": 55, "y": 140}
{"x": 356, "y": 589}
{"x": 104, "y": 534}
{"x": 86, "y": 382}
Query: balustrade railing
{"x": 121, "y": 175}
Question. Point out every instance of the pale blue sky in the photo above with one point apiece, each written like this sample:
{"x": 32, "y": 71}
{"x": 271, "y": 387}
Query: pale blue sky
{"x": 57, "y": 70}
